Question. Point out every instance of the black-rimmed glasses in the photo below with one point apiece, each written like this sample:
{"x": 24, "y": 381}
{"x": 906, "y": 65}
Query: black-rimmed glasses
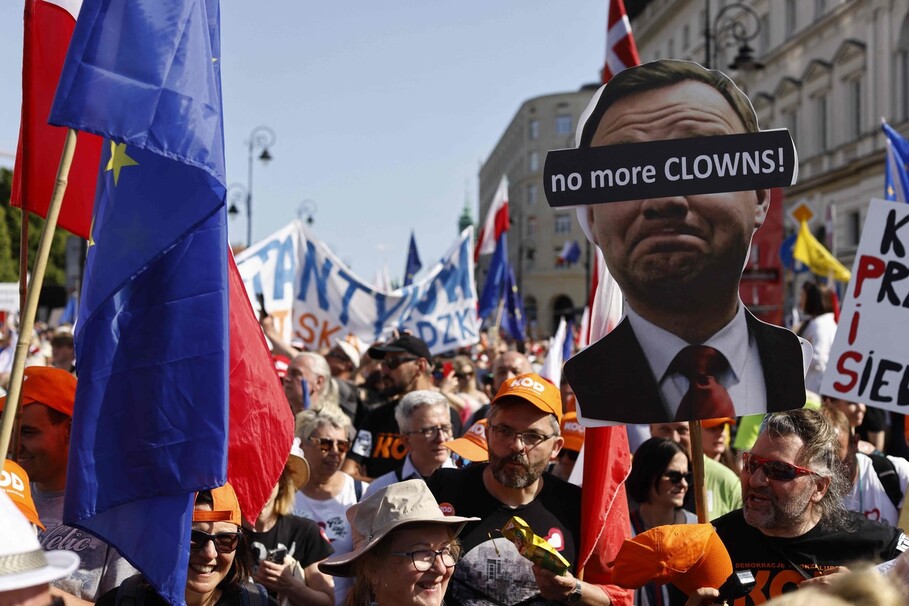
{"x": 225, "y": 542}
{"x": 423, "y": 559}
{"x": 530, "y": 439}
{"x": 325, "y": 444}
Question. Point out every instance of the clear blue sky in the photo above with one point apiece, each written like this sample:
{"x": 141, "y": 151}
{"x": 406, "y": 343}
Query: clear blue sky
{"x": 383, "y": 110}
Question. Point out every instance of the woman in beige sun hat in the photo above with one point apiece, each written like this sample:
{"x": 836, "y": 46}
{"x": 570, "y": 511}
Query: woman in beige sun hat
{"x": 405, "y": 548}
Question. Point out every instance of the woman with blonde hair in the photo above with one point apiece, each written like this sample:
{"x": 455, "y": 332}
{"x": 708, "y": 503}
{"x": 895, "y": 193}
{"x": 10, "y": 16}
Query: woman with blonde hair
{"x": 405, "y": 548}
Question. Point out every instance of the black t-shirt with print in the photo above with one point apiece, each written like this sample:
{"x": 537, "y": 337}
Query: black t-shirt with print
{"x": 775, "y": 561}
{"x": 302, "y": 538}
{"x": 378, "y": 446}
{"x": 491, "y": 571}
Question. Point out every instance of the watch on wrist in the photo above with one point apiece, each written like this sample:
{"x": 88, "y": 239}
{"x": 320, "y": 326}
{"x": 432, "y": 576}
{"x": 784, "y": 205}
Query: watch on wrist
{"x": 575, "y": 595}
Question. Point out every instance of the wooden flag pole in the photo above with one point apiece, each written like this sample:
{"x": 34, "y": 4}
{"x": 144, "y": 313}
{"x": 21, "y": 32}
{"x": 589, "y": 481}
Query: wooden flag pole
{"x": 697, "y": 466}
{"x": 23, "y": 289}
{"x": 27, "y": 316}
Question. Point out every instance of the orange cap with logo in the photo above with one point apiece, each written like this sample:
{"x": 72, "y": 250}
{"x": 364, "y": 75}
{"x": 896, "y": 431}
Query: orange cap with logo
{"x": 572, "y": 432}
{"x": 534, "y": 389}
{"x": 472, "y": 445}
{"x": 225, "y": 508}
{"x": 52, "y": 387}
{"x": 14, "y": 481}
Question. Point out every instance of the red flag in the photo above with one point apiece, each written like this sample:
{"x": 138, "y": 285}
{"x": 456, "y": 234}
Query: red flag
{"x": 607, "y": 460}
{"x": 48, "y": 28}
{"x": 496, "y": 222}
{"x": 261, "y": 423}
{"x": 621, "y": 51}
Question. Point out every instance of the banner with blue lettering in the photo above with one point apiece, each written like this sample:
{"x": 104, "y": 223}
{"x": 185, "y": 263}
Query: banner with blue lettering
{"x": 315, "y": 298}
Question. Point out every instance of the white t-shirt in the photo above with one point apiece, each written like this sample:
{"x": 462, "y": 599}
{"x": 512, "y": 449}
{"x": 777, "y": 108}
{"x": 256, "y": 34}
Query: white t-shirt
{"x": 331, "y": 516}
{"x": 868, "y": 496}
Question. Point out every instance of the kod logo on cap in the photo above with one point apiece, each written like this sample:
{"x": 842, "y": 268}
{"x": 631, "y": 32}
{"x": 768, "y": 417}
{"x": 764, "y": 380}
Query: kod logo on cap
{"x": 528, "y": 383}
{"x": 11, "y": 481}
{"x": 478, "y": 430}
{"x": 574, "y": 426}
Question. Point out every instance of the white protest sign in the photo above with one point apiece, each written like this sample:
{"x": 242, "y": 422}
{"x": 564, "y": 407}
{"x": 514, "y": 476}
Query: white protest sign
{"x": 9, "y": 296}
{"x": 314, "y": 297}
{"x": 868, "y": 359}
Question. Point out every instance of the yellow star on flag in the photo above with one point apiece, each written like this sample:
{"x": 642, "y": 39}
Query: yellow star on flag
{"x": 118, "y": 159}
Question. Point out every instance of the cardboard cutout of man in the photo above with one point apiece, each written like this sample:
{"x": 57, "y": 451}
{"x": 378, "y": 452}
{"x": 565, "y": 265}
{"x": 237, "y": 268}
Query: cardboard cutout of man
{"x": 678, "y": 261}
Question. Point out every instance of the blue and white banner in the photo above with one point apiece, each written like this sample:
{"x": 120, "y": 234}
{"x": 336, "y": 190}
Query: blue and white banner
{"x": 314, "y": 297}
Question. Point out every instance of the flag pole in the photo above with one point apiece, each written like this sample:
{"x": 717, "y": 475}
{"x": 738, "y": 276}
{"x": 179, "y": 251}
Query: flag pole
{"x": 23, "y": 289}
{"x": 27, "y": 319}
{"x": 697, "y": 467}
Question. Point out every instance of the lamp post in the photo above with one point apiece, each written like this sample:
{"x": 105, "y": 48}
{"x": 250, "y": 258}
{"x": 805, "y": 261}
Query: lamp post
{"x": 261, "y": 137}
{"x": 308, "y": 209}
{"x": 729, "y": 29}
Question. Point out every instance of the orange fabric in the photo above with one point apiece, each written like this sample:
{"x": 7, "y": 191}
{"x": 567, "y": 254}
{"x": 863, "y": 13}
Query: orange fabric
{"x": 226, "y": 508}
{"x": 52, "y": 387}
{"x": 534, "y": 389}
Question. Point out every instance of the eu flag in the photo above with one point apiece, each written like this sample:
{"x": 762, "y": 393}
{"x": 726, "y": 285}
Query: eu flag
{"x": 413, "y": 262}
{"x": 514, "y": 308}
{"x": 151, "y": 413}
{"x": 896, "y": 174}
{"x": 495, "y": 279}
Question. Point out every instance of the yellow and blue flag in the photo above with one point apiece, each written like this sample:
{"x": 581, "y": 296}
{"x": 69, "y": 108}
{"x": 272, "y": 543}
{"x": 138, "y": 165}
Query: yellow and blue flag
{"x": 151, "y": 414}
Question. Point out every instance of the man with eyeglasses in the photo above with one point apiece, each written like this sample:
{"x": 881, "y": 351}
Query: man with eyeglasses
{"x": 379, "y": 447}
{"x": 523, "y": 438}
{"x": 425, "y": 424}
{"x": 793, "y": 528}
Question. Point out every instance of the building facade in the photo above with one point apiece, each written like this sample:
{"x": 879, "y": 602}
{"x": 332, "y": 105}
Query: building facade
{"x": 831, "y": 70}
{"x": 538, "y": 233}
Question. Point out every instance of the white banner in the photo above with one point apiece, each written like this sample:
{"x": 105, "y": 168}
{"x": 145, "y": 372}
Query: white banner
{"x": 314, "y": 297}
{"x": 868, "y": 359}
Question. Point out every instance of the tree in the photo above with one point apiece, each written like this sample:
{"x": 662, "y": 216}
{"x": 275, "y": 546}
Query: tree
{"x": 11, "y": 228}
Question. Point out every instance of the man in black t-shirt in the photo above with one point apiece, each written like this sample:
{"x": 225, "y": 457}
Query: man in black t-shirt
{"x": 792, "y": 527}
{"x": 523, "y": 438}
{"x": 378, "y": 447}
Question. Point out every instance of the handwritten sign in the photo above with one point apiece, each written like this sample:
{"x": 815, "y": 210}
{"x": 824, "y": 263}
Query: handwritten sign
{"x": 868, "y": 361}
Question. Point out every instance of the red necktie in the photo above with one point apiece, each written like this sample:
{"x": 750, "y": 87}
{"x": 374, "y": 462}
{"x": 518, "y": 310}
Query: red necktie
{"x": 705, "y": 398}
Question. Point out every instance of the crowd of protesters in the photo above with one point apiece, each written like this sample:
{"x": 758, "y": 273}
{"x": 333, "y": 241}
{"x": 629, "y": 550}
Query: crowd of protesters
{"x": 796, "y": 497}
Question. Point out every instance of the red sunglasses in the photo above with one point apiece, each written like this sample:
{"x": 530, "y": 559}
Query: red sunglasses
{"x": 774, "y": 470}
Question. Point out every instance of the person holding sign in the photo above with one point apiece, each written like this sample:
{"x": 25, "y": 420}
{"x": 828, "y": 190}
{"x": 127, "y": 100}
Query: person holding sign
{"x": 687, "y": 348}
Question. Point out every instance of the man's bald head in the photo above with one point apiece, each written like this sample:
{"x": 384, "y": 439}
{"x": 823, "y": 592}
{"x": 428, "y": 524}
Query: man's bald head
{"x": 507, "y": 366}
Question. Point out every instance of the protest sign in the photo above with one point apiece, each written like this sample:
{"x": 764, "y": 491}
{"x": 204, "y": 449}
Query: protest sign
{"x": 675, "y": 167}
{"x": 315, "y": 298}
{"x": 868, "y": 359}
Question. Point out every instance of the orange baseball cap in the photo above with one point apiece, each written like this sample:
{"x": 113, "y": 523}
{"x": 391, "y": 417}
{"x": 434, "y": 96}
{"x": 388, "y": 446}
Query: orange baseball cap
{"x": 687, "y": 555}
{"x": 711, "y": 423}
{"x": 53, "y": 387}
{"x": 572, "y": 432}
{"x": 14, "y": 481}
{"x": 534, "y": 389}
{"x": 226, "y": 507}
{"x": 472, "y": 445}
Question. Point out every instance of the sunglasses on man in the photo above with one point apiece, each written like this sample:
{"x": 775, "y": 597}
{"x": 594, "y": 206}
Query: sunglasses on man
{"x": 774, "y": 470}
{"x": 392, "y": 363}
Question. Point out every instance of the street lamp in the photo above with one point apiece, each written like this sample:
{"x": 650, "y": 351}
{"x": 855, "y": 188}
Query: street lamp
{"x": 236, "y": 193}
{"x": 261, "y": 137}
{"x": 308, "y": 209}
{"x": 731, "y": 30}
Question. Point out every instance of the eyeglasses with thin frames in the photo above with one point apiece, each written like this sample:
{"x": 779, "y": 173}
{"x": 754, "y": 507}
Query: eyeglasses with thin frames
{"x": 774, "y": 470}
{"x": 392, "y": 363}
{"x": 225, "y": 542}
{"x": 431, "y": 433}
{"x": 325, "y": 444}
{"x": 530, "y": 439}
{"x": 423, "y": 559}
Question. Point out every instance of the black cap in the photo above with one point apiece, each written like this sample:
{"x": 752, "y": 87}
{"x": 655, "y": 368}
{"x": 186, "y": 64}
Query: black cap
{"x": 403, "y": 344}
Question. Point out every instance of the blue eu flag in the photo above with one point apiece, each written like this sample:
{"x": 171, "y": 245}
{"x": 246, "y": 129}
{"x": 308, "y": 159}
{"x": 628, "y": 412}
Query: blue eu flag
{"x": 896, "y": 174}
{"x": 514, "y": 321}
{"x": 495, "y": 279}
{"x": 151, "y": 413}
{"x": 413, "y": 262}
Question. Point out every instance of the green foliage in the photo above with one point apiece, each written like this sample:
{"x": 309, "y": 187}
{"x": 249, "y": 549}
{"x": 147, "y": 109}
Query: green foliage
{"x": 10, "y": 236}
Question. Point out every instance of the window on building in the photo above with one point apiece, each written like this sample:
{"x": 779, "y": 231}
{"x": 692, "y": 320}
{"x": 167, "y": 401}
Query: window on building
{"x": 530, "y": 258}
{"x": 533, "y": 130}
{"x": 790, "y": 122}
{"x": 533, "y": 161}
{"x": 530, "y": 308}
{"x": 562, "y": 222}
{"x": 670, "y": 49}
{"x": 764, "y": 36}
{"x": 530, "y": 227}
{"x": 790, "y": 18}
{"x": 901, "y": 77}
{"x": 531, "y": 196}
{"x": 854, "y": 110}
{"x": 854, "y": 223}
{"x": 820, "y": 7}
{"x": 686, "y": 37}
{"x": 820, "y": 115}
{"x": 563, "y": 125}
